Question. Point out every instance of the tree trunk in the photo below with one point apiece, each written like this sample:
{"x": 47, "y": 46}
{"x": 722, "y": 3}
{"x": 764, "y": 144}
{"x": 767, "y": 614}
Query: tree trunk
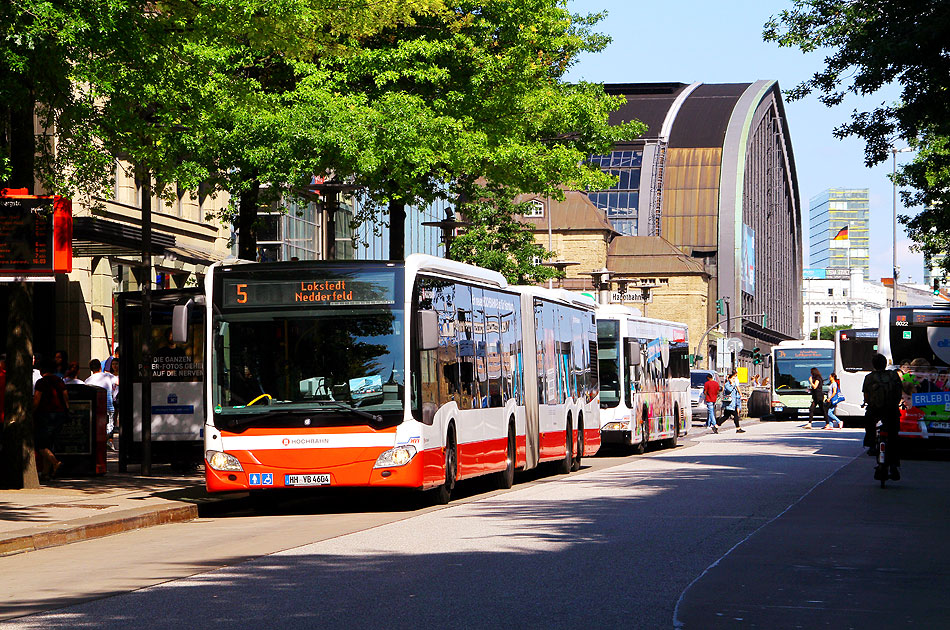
{"x": 19, "y": 461}
{"x": 247, "y": 218}
{"x": 397, "y": 230}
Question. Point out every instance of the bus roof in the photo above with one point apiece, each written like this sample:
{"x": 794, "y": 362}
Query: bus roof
{"x": 433, "y": 264}
{"x": 619, "y": 311}
{"x": 807, "y": 343}
{"x": 558, "y": 295}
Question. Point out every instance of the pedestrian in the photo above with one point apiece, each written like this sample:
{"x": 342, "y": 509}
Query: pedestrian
{"x": 732, "y": 400}
{"x": 104, "y": 380}
{"x": 113, "y": 373}
{"x": 71, "y": 377}
{"x": 50, "y": 409}
{"x": 815, "y": 385}
{"x": 61, "y": 363}
{"x": 882, "y": 394}
{"x": 710, "y": 395}
{"x": 834, "y": 399}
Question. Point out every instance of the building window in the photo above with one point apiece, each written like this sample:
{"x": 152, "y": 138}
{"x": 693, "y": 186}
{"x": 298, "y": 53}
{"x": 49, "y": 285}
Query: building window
{"x": 817, "y": 316}
{"x": 844, "y": 292}
{"x": 831, "y": 292}
{"x": 535, "y": 209}
{"x": 834, "y": 318}
{"x": 620, "y": 202}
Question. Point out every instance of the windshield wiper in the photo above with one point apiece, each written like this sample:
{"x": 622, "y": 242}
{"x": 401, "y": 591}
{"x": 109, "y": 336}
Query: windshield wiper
{"x": 345, "y": 407}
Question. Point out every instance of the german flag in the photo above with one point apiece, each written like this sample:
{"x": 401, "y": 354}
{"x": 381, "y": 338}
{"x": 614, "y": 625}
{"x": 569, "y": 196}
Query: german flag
{"x": 842, "y": 234}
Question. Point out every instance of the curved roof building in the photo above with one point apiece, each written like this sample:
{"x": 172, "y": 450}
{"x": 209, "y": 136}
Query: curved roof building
{"x": 714, "y": 174}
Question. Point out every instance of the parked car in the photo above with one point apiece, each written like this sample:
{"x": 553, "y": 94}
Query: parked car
{"x": 697, "y": 378}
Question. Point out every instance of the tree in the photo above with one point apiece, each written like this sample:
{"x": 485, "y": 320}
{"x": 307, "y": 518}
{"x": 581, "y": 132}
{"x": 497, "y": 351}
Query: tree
{"x": 149, "y": 83}
{"x": 872, "y": 44}
{"x": 469, "y": 96}
{"x": 496, "y": 240}
{"x": 828, "y": 332}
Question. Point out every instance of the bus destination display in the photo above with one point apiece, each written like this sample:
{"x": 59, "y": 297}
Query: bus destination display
{"x": 364, "y": 290}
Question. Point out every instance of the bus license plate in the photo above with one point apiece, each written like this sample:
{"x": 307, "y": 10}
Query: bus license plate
{"x": 307, "y": 480}
{"x": 940, "y": 426}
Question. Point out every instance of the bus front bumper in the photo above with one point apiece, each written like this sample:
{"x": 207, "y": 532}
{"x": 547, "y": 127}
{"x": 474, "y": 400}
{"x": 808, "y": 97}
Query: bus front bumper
{"x": 359, "y": 473}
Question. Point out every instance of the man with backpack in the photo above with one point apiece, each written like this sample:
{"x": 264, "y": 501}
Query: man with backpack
{"x": 882, "y": 396}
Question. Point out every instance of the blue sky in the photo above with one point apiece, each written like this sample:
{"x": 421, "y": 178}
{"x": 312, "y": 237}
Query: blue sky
{"x": 721, "y": 42}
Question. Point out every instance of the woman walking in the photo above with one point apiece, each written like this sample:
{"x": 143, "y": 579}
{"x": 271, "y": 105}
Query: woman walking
{"x": 834, "y": 389}
{"x": 50, "y": 409}
{"x": 732, "y": 400}
{"x": 817, "y": 397}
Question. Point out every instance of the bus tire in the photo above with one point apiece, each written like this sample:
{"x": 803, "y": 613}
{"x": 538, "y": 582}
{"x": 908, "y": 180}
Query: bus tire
{"x": 506, "y": 478}
{"x": 579, "y": 450}
{"x": 443, "y": 493}
{"x": 673, "y": 441}
{"x": 564, "y": 466}
{"x": 640, "y": 448}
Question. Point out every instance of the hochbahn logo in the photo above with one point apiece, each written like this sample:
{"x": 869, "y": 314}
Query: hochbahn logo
{"x": 304, "y": 441}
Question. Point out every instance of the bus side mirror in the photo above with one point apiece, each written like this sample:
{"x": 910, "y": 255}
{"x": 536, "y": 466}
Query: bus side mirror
{"x": 633, "y": 351}
{"x": 428, "y": 330}
{"x": 180, "y": 317}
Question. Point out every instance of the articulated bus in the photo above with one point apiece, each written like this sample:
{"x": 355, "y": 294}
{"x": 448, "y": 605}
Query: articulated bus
{"x": 916, "y": 341}
{"x": 644, "y": 378}
{"x": 854, "y": 348}
{"x": 391, "y": 374}
{"x": 792, "y": 362}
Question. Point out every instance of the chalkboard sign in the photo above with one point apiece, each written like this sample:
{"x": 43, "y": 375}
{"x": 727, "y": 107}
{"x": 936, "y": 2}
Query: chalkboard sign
{"x": 75, "y": 436}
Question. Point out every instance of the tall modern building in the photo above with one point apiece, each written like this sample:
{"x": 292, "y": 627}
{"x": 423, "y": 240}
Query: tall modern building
{"x": 838, "y": 230}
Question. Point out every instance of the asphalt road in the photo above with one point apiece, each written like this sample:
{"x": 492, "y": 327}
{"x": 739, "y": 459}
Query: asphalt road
{"x": 614, "y": 545}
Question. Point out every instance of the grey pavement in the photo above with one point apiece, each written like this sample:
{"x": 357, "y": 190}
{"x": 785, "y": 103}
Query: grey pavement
{"x": 847, "y": 555}
{"x": 74, "y": 509}
{"x": 795, "y": 537}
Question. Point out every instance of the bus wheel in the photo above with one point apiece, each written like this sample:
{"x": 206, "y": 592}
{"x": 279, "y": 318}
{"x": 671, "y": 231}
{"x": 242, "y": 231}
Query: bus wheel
{"x": 642, "y": 446}
{"x": 564, "y": 466}
{"x": 444, "y": 493}
{"x": 676, "y": 428}
{"x": 579, "y": 451}
{"x": 506, "y": 478}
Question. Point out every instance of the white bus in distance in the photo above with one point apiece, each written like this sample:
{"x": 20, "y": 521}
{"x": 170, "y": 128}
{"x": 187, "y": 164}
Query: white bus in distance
{"x": 644, "y": 378}
{"x": 854, "y": 348}
{"x": 792, "y": 362}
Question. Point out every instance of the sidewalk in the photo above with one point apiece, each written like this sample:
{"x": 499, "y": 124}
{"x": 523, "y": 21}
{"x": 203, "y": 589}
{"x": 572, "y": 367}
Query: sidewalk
{"x": 848, "y": 555}
{"x": 73, "y": 509}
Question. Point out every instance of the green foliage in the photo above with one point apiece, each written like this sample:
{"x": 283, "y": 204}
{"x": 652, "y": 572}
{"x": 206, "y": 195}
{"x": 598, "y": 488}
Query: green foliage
{"x": 473, "y": 94}
{"x": 828, "y": 332}
{"x": 498, "y": 241}
{"x": 871, "y": 44}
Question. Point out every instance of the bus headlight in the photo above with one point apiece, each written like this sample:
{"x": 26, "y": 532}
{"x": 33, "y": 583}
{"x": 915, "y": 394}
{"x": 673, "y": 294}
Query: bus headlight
{"x": 399, "y": 456}
{"x": 223, "y": 461}
{"x": 617, "y": 426}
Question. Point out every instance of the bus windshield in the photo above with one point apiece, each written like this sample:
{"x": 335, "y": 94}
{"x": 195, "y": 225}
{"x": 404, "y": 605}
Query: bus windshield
{"x": 793, "y": 367}
{"x": 857, "y": 346}
{"x": 608, "y": 355}
{"x": 272, "y": 348}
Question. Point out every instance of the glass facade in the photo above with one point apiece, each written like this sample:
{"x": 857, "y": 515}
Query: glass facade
{"x": 621, "y": 202}
{"x": 838, "y": 221}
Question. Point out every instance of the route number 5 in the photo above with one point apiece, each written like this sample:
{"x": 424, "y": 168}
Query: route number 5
{"x": 242, "y": 293}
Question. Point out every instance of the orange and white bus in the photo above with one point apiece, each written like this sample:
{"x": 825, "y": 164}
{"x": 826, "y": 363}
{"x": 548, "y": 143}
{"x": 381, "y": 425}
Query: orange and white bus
{"x": 644, "y": 378}
{"x": 391, "y": 374}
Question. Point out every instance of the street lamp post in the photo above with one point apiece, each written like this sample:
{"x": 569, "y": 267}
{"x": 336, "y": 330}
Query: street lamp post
{"x": 894, "y": 152}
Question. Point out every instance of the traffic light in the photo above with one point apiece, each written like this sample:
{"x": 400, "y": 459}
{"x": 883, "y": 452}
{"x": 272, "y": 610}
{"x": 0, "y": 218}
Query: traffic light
{"x": 721, "y": 306}
{"x": 756, "y": 356}
{"x": 936, "y": 286}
